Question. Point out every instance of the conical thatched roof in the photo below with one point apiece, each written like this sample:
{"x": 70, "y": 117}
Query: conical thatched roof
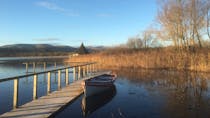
{"x": 82, "y": 49}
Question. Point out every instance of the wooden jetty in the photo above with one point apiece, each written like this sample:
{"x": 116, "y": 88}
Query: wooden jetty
{"x": 49, "y": 105}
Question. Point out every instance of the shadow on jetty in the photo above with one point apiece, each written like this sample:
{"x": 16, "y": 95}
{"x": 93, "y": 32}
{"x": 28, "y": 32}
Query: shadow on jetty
{"x": 92, "y": 103}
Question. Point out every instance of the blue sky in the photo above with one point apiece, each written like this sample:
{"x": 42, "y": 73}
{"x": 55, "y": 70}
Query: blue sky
{"x": 70, "y": 22}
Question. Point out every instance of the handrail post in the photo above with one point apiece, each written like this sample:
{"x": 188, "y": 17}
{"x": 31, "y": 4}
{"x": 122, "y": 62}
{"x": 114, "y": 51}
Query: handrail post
{"x": 79, "y": 72}
{"x": 44, "y": 66}
{"x": 59, "y": 79}
{"x": 48, "y": 83}
{"x": 15, "y": 94}
{"x": 26, "y": 67}
{"x": 93, "y": 68}
{"x": 87, "y": 69}
{"x": 55, "y": 65}
{"x": 34, "y": 67}
{"x": 83, "y": 71}
{"x": 96, "y": 67}
{"x": 67, "y": 76}
{"x": 35, "y": 87}
{"x": 74, "y": 73}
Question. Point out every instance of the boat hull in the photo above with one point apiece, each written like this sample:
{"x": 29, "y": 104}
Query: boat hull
{"x": 98, "y": 84}
{"x": 90, "y": 90}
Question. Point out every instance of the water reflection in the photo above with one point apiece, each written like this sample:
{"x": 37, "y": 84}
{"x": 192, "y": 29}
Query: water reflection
{"x": 151, "y": 94}
{"x": 92, "y": 103}
{"x": 187, "y": 93}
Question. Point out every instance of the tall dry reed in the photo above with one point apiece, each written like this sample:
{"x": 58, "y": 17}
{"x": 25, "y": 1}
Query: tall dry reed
{"x": 149, "y": 59}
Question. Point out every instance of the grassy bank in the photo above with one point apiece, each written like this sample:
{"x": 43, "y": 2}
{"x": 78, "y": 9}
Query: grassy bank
{"x": 163, "y": 58}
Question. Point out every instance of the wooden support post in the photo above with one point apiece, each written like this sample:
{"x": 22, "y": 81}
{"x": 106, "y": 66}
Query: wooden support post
{"x": 84, "y": 71}
{"x": 74, "y": 73}
{"x": 67, "y": 76}
{"x": 35, "y": 88}
{"x": 26, "y": 67}
{"x": 93, "y": 68}
{"x": 55, "y": 65}
{"x": 48, "y": 83}
{"x": 34, "y": 67}
{"x": 59, "y": 79}
{"x": 79, "y": 72}
{"x": 15, "y": 94}
{"x": 44, "y": 66}
{"x": 96, "y": 67}
{"x": 87, "y": 69}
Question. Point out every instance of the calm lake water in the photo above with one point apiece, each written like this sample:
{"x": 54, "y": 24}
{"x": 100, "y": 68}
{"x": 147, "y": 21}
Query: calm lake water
{"x": 149, "y": 94}
{"x": 137, "y": 93}
{"x": 10, "y": 67}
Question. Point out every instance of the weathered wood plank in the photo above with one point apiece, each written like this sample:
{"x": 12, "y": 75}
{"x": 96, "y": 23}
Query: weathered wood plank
{"x": 48, "y": 105}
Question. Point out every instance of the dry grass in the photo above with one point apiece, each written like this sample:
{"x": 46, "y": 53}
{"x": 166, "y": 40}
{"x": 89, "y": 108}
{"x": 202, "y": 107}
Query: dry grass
{"x": 149, "y": 59}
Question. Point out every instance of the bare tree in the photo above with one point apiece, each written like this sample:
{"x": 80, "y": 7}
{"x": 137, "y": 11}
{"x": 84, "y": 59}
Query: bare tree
{"x": 146, "y": 38}
{"x": 149, "y": 37}
{"x": 182, "y": 21}
{"x": 196, "y": 18}
{"x": 134, "y": 43}
{"x": 171, "y": 16}
{"x": 207, "y": 16}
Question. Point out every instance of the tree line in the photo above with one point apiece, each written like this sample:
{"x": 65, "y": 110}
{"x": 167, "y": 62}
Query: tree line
{"x": 183, "y": 23}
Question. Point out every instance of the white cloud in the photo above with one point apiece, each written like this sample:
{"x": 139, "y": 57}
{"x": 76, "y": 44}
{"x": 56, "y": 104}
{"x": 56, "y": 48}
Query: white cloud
{"x": 55, "y": 7}
{"x": 50, "y": 6}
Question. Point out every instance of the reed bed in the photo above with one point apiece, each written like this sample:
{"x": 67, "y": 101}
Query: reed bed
{"x": 163, "y": 58}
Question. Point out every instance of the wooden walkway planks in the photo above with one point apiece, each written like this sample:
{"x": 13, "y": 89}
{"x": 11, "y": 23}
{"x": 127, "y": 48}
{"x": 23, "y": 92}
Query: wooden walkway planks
{"x": 47, "y": 106}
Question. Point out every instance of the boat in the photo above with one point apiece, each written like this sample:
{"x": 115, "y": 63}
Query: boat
{"x": 98, "y": 84}
{"x": 94, "y": 102}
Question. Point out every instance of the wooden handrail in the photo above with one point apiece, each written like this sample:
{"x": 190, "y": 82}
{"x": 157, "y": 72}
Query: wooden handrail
{"x": 37, "y": 73}
{"x": 35, "y": 78}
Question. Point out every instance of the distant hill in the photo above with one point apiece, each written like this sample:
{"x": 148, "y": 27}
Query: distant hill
{"x": 96, "y": 48}
{"x": 35, "y": 50}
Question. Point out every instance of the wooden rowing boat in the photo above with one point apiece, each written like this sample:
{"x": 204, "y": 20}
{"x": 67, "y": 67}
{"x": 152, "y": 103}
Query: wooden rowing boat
{"x": 98, "y": 84}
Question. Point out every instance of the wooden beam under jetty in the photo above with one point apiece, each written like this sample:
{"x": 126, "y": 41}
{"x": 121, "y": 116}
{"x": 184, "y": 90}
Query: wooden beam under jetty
{"x": 52, "y": 103}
